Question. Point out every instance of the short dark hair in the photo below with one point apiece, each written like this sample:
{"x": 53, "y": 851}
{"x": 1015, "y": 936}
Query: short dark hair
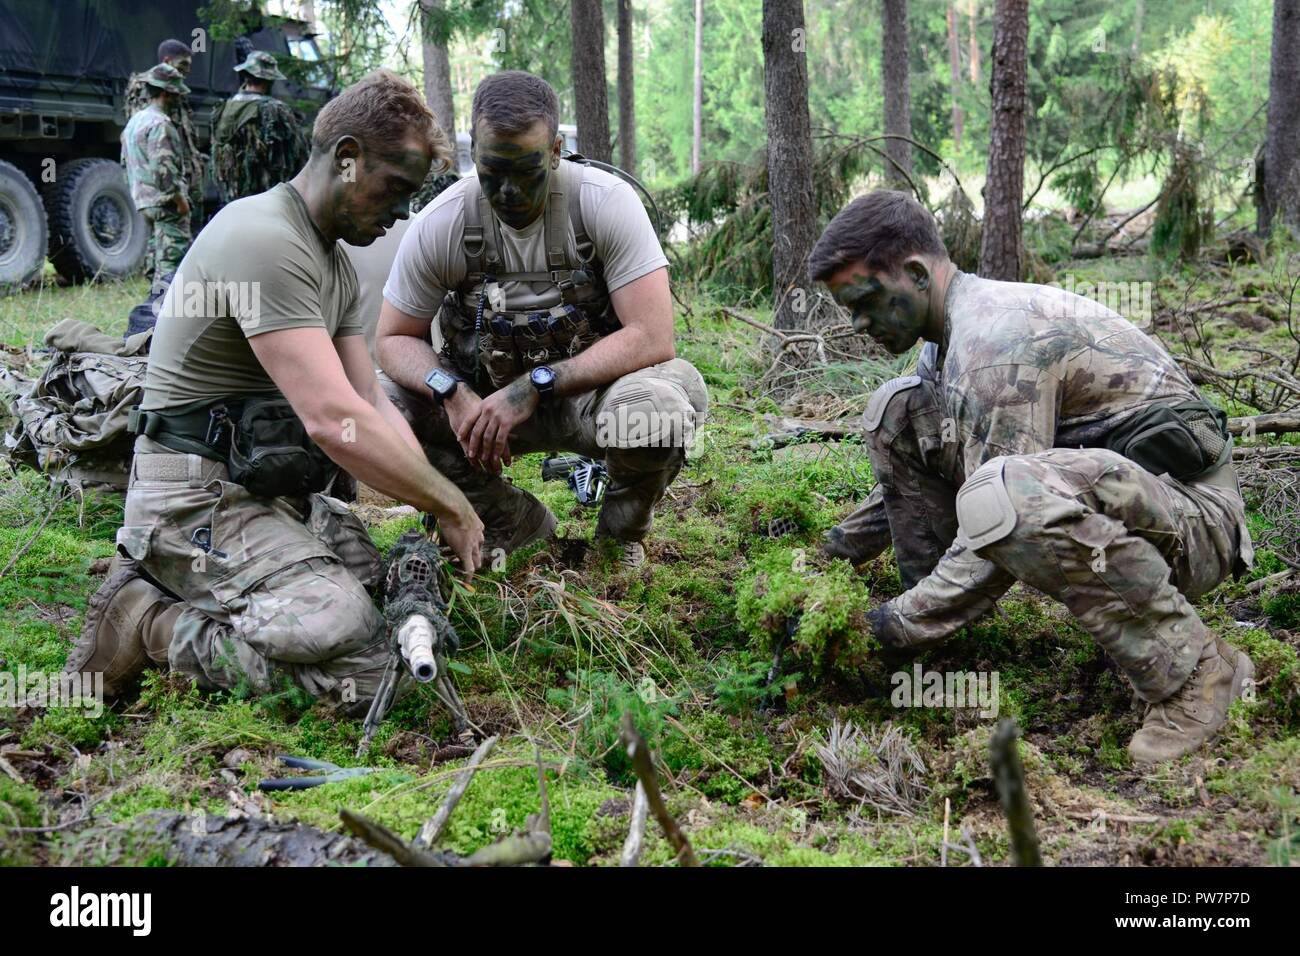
{"x": 880, "y": 229}
{"x": 511, "y": 101}
{"x": 173, "y": 48}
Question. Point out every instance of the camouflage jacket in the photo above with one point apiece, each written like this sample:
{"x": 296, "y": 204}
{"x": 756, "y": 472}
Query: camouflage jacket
{"x": 257, "y": 142}
{"x": 1029, "y": 367}
{"x": 137, "y": 99}
{"x": 151, "y": 153}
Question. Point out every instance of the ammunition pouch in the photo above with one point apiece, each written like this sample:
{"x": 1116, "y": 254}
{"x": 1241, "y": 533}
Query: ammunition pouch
{"x": 481, "y": 332}
{"x": 1185, "y": 440}
{"x": 262, "y": 442}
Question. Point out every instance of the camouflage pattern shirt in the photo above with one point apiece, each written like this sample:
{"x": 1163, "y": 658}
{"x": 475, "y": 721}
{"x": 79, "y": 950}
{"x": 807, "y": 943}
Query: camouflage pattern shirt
{"x": 152, "y": 154}
{"x": 182, "y": 115}
{"x": 1030, "y": 367}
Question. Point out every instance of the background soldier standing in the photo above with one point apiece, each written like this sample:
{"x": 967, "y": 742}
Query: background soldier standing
{"x": 257, "y": 141}
{"x": 177, "y": 54}
{"x": 152, "y": 152}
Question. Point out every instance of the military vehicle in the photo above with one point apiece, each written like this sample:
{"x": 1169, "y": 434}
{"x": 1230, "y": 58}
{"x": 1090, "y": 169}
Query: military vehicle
{"x": 64, "y": 67}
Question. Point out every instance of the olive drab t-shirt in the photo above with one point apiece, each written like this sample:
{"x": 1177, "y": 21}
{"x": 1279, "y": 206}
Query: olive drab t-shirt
{"x": 259, "y": 266}
{"x": 431, "y": 259}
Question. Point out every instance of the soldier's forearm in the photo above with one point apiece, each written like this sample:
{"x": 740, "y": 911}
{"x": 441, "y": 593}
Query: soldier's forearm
{"x": 960, "y": 590}
{"x": 406, "y": 359}
{"x": 612, "y": 357}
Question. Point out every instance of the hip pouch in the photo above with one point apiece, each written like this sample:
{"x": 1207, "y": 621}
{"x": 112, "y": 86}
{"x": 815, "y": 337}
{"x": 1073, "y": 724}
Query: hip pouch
{"x": 1186, "y": 440}
{"x": 271, "y": 454}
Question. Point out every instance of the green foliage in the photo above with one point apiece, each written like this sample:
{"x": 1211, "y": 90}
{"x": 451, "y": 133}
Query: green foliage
{"x": 598, "y": 700}
{"x": 822, "y": 614}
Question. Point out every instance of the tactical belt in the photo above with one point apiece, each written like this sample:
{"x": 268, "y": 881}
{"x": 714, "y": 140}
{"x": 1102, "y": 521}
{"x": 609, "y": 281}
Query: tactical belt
{"x": 195, "y": 429}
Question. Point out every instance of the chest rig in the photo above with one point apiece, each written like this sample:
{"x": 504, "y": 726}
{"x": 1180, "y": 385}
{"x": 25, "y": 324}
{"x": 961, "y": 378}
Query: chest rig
{"x": 489, "y": 343}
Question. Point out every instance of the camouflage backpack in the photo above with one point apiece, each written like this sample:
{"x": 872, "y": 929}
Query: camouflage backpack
{"x": 71, "y": 421}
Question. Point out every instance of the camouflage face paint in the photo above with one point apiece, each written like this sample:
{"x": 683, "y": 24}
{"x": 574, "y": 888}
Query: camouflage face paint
{"x": 380, "y": 193}
{"x": 514, "y": 171}
{"x": 889, "y": 308}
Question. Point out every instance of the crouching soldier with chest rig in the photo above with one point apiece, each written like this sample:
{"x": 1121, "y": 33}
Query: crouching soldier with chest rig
{"x": 550, "y": 292}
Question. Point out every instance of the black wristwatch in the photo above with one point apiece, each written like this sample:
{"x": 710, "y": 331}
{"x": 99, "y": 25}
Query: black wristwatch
{"x": 442, "y": 384}
{"x": 543, "y": 379}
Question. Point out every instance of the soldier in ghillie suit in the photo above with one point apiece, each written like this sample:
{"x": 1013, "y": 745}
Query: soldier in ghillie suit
{"x": 237, "y": 567}
{"x": 1052, "y": 443}
{"x": 257, "y": 141}
{"x": 551, "y": 292}
{"x": 177, "y": 54}
{"x": 153, "y": 154}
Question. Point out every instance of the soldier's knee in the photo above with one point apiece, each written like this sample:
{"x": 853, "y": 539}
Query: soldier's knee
{"x": 660, "y": 408}
{"x": 887, "y": 410}
{"x": 986, "y": 513}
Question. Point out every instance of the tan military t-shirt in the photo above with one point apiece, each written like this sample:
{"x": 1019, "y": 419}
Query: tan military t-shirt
{"x": 259, "y": 266}
{"x": 431, "y": 260}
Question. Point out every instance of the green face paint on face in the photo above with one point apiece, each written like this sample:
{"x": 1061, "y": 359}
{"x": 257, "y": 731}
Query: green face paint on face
{"x": 514, "y": 171}
{"x": 377, "y": 193}
{"x": 889, "y": 308}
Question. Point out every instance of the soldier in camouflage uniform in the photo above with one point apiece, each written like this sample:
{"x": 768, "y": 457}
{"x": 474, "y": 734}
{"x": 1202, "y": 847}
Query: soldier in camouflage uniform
{"x": 153, "y": 154}
{"x": 257, "y": 141}
{"x": 550, "y": 290}
{"x": 177, "y": 54}
{"x": 1057, "y": 445}
{"x": 241, "y": 589}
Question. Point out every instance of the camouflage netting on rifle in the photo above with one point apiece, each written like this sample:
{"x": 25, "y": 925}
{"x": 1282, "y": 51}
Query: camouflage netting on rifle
{"x": 1270, "y": 481}
{"x": 259, "y": 143}
{"x": 71, "y": 421}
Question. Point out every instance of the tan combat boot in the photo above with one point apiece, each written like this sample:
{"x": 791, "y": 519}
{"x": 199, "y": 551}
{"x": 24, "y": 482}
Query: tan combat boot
{"x": 1197, "y": 711}
{"x": 128, "y": 623}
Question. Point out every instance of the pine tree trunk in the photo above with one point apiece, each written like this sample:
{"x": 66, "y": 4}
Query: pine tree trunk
{"x": 1282, "y": 146}
{"x": 626, "y": 89}
{"x": 1139, "y": 14}
{"x": 898, "y": 96}
{"x": 954, "y": 69}
{"x": 437, "y": 76}
{"x": 789, "y": 158}
{"x": 973, "y": 11}
{"x": 697, "y": 115}
{"x": 1001, "y": 250}
{"x": 590, "y": 98}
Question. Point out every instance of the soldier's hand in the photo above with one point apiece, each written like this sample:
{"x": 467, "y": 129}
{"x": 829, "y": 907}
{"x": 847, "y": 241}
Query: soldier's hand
{"x": 486, "y": 438}
{"x": 462, "y": 411}
{"x": 182, "y": 205}
{"x": 463, "y": 532}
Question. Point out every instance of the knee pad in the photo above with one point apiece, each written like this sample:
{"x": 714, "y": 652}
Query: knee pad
{"x": 652, "y": 411}
{"x": 985, "y": 512}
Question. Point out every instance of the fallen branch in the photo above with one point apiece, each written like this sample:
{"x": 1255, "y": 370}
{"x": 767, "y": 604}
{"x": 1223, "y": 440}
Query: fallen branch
{"x": 639, "y": 754}
{"x": 1009, "y": 776}
{"x": 636, "y": 830}
{"x": 386, "y": 841}
{"x": 432, "y": 831}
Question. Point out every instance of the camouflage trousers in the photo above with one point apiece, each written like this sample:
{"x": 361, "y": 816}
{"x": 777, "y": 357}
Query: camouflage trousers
{"x": 639, "y": 424}
{"x": 169, "y": 240}
{"x": 1125, "y": 550}
{"x": 272, "y": 588}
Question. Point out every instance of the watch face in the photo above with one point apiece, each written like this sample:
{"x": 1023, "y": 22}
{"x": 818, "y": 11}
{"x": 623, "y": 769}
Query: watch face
{"x": 543, "y": 376}
{"x": 440, "y": 381}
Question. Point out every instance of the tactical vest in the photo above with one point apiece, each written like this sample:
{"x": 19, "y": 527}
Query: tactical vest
{"x": 486, "y": 341}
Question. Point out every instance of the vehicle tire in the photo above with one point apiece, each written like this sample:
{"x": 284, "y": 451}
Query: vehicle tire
{"x": 22, "y": 228}
{"x": 95, "y": 231}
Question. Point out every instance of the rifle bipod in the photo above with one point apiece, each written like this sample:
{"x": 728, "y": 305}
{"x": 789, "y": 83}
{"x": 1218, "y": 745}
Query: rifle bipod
{"x": 420, "y": 636}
